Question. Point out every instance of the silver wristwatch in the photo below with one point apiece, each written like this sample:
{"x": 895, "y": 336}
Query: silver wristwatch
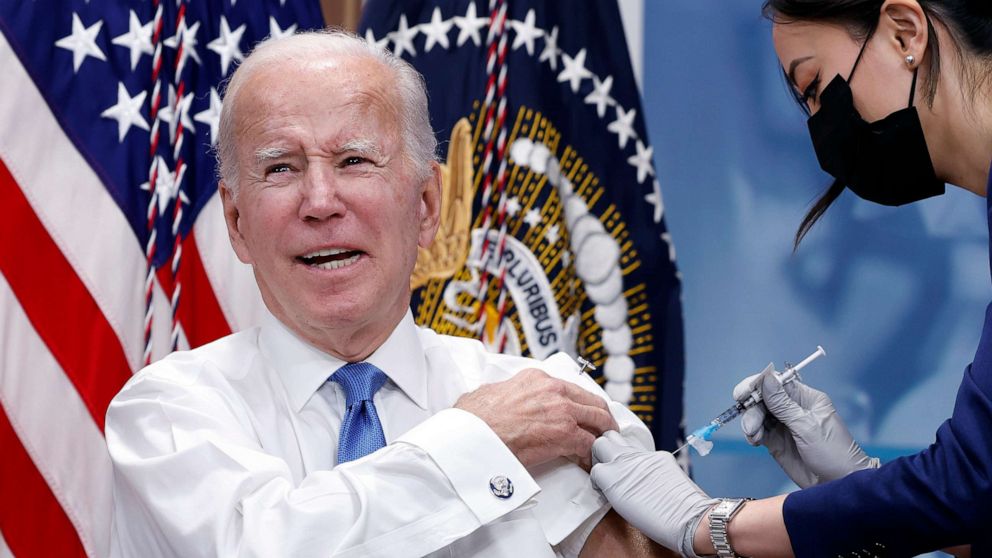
{"x": 720, "y": 517}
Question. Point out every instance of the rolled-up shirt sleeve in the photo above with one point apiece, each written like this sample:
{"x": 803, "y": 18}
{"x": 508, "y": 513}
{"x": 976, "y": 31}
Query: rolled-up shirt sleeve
{"x": 570, "y": 506}
{"x": 190, "y": 479}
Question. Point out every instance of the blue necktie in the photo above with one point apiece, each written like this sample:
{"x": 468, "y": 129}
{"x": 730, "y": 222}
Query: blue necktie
{"x": 361, "y": 431}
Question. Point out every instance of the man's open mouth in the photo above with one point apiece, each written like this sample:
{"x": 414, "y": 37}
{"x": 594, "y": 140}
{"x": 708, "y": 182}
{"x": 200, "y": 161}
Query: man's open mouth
{"x": 331, "y": 258}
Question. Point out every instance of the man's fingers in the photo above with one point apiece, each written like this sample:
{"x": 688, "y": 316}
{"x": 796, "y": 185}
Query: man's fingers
{"x": 568, "y": 389}
{"x": 582, "y": 448}
{"x": 581, "y": 396}
{"x": 595, "y": 420}
{"x": 546, "y": 417}
{"x": 529, "y": 374}
{"x": 589, "y": 410}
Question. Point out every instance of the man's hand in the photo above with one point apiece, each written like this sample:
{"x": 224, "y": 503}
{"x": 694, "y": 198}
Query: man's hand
{"x": 801, "y": 429}
{"x": 650, "y": 491}
{"x": 541, "y": 418}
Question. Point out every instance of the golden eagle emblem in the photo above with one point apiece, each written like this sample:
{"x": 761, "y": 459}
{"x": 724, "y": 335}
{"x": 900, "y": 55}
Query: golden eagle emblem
{"x": 451, "y": 243}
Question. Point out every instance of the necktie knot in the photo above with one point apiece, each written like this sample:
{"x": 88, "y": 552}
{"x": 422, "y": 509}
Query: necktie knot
{"x": 361, "y": 431}
{"x": 359, "y": 380}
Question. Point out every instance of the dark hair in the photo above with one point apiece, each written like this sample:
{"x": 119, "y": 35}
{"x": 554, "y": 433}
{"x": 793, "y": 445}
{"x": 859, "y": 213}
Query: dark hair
{"x": 968, "y": 21}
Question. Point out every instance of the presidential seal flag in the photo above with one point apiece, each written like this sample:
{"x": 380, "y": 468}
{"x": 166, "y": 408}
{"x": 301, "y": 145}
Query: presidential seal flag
{"x": 113, "y": 250}
{"x": 553, "y": 235}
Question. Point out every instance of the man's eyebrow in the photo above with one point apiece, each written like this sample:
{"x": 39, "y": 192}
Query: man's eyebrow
{"x": 792, "y": 68}
{"x": 362, "y": 146}
{"x": 264, "y": 154}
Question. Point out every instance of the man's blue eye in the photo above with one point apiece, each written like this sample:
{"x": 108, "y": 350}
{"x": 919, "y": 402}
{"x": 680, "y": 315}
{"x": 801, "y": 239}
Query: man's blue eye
{"x": 281, "y": 167}
{"x": 354, "y": 160}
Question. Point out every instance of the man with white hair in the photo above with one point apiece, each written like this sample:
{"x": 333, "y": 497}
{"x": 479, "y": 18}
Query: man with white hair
{"x": 338, "y": 427}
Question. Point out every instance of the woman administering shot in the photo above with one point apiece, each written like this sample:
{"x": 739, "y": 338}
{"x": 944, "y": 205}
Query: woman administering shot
{"x": 899, "y": 94}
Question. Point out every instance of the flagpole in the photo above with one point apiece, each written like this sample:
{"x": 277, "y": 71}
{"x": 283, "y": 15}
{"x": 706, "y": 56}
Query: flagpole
{"x": 342, "y": 13}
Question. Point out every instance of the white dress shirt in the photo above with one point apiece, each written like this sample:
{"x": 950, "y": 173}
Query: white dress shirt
{"x": 230, "y": 450}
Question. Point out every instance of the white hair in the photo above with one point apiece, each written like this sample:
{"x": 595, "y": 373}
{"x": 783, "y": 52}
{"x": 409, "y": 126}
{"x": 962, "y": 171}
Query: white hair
{"x": 419, "y": 143}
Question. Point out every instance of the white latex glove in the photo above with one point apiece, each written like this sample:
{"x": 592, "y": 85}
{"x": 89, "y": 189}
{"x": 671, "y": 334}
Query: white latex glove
{"x": 650, "y": 491}
{"x": 801, "y": 429}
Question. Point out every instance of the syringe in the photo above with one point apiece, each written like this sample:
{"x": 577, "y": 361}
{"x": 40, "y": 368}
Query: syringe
{"x": 700, "y": 439}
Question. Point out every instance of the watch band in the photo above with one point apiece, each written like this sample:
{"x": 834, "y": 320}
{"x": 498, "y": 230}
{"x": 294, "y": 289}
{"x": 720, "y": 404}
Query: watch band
{"x": 720, "y": 517}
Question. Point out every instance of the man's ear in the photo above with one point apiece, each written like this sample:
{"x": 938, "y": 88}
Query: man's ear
{"x": 430, "y": 206}
{"x": 232, "y": 217}
{"x": 905, "y": 24}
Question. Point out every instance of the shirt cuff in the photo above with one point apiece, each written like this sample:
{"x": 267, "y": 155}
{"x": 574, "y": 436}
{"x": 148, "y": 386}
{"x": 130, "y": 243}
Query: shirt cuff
{"x": 471, "y": 456}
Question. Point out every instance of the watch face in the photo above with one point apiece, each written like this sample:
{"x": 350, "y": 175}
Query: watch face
{"x": 724, "y": 507}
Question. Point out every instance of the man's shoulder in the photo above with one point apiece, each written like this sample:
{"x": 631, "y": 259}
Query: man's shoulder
{"x": 213, "y": 364}
{"x": 472, "y": 356}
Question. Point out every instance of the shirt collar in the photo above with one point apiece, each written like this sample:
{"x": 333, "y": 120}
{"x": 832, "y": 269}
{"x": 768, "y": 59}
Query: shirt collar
{"x": 303, "y": 368}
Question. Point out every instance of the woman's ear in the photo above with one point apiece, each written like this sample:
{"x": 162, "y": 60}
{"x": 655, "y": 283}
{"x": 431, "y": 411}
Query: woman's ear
{"x": 907, "y": 28}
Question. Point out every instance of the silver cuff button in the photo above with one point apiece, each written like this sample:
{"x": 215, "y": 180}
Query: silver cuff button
{"x": 501, "y": 487}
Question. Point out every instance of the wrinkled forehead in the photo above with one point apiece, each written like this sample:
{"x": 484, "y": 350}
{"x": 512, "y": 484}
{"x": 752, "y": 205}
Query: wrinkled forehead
{"x": 353, "y": 91}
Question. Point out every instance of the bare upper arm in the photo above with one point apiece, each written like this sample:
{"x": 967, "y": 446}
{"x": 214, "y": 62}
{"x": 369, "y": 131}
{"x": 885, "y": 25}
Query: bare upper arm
{"x": 613, "y": 536}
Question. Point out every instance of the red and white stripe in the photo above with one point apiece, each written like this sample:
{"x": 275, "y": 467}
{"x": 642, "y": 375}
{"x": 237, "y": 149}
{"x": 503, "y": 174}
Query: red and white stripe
{"x": 180, "y": 173}
{"x": 494, "y": 129}
{"x": 73, "y": 311}
{"x": 155, "y": 102}
{"x": 4, "y": 549}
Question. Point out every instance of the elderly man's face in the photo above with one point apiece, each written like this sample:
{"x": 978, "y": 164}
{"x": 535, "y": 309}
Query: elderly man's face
{"x": 328, "y": 210}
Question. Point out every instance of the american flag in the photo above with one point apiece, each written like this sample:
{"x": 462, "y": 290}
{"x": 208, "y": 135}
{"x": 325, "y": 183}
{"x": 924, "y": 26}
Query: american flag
{"x": 113, "y": 250}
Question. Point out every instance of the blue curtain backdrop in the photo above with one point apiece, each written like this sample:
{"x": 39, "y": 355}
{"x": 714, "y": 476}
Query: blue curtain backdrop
{"x": 895, "y": 295}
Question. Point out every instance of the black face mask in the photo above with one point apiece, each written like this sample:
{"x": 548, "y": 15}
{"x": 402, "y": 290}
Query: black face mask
{"x": 885, "y": 162}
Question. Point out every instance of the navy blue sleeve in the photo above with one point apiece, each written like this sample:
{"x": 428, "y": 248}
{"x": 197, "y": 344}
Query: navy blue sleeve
{"x": 937, "y": 498}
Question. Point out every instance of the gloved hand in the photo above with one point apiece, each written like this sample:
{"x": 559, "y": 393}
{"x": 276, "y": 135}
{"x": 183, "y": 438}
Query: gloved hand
{"x": 801, "y": 429}
{"x": 650, "y": 491}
